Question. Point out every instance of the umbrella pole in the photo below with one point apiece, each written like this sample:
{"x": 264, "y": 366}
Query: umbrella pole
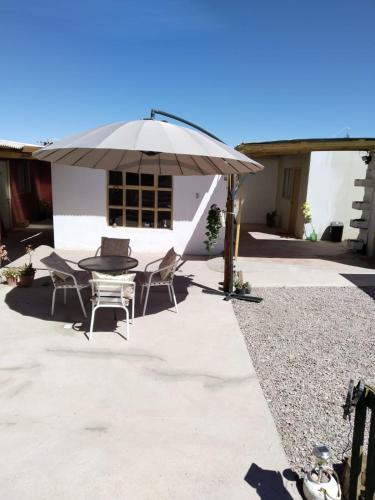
{"x": 229, "y": 232}
{"x": 229, "y": 248}
{"x": 229, "y": 220}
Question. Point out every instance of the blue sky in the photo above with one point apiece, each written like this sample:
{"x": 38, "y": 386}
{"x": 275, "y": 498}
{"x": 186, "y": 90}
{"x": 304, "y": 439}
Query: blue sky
{"x": 245, "y": 70}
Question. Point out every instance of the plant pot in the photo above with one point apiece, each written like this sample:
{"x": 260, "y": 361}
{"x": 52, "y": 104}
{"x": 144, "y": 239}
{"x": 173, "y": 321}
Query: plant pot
{"x": 240, "y": 291}
{"x": 26, "y": 281}
{"x": 11, "y": 281}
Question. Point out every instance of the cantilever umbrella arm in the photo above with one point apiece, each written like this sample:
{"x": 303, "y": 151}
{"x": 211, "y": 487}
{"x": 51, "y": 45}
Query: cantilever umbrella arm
{"x": 229, "y": 222}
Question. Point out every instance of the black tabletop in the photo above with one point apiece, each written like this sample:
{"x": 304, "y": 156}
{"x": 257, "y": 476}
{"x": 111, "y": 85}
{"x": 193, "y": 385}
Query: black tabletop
{"x": 108, "y": 263}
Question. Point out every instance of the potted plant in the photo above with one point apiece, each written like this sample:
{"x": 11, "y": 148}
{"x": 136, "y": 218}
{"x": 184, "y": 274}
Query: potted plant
{"x": 214, "y": 224}
{"x": 307, "y": 219}
{"x": 27, "y": 271}
{"x": 241, "y": 287}
{"x": 11, "y": 275}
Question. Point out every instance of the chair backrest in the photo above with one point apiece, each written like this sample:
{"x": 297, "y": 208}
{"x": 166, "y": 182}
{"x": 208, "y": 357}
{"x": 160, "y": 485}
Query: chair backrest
{"x": 170, "y": 262}
{"x": 115, "y": 246}
{"x": 57, "y": 266}
{"x": 107, "y": 287}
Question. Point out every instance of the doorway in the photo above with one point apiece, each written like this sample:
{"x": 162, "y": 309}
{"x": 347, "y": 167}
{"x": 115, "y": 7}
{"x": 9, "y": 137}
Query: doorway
{"x": 294, "y": 201}
{"x": 5, "y": 209}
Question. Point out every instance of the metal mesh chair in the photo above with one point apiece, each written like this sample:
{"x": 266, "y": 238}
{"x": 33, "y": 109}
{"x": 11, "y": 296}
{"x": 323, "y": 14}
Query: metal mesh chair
{"x": 114, "y": 246}
{"x": 65, "y": 278}
{"x": 112, "y": 292}
{"x": 162, "y": 276}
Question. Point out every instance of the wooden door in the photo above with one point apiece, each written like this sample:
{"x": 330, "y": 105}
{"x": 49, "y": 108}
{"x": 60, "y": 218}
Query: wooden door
{"x": 294, "y": 207}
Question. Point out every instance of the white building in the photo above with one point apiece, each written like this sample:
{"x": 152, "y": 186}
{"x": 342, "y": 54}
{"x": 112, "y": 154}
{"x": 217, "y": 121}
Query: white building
{"x": 325, "y": 173}
{"x": 155, "y": 212}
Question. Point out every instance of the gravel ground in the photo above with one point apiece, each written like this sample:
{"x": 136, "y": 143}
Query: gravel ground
{"x": 306, "y": 343}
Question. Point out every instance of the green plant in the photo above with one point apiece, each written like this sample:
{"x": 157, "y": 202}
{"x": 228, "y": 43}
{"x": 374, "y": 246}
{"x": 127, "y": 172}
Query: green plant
{"x": 307, "y": 219}
{"x": 306, "y": 211}
{"x": 239, "y": 283}
{"x": 213, "y": 227}
{"x": 10, "y": 272}
{"x": 28, "y": 269}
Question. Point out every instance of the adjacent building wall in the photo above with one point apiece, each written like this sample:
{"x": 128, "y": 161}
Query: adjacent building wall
{"x": 259, "y": 192}
{"x": 80, "y": 218}
{"x": 331, "y": 189}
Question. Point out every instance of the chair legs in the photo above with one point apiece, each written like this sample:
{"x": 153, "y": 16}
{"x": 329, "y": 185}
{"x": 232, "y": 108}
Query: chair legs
{"x": 81, "y": 301}
{"x": 93, "y": 319}
{"x": 174, "y": 296}
{"x": 146, "y": 299}
{"x": 127, "y": 322}
{"x": 171, "y": 292}
{"x": 53, "y": 302}
{"x": 64, "y": 291}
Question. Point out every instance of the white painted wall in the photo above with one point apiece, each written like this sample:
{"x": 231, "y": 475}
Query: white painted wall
{"x": 331, "y": 189}
{"x": 79, "y": 204}
{"x": 259, "y": 193}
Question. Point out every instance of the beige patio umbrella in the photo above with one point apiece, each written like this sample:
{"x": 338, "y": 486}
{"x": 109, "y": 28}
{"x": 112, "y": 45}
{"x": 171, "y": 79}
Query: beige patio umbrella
{"x": 156, "y": 147}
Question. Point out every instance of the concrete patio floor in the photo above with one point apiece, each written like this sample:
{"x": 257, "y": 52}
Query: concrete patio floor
{"x": 274, "y": 260}
{"x": 176, "y": 412}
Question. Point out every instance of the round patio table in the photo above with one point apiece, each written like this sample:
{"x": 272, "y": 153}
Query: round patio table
{"x": 108, "y": 263}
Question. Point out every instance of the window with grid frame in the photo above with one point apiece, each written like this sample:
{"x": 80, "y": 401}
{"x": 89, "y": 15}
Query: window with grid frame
{"x": 139, "y": 200}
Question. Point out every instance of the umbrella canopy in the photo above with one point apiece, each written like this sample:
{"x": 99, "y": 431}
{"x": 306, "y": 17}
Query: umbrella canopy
{"x": 148, "y": 146}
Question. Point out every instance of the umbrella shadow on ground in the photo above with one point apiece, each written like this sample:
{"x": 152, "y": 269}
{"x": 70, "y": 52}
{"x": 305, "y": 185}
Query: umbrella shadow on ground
{"x": 269, "y": 484}
{"x": 35, "y": 302}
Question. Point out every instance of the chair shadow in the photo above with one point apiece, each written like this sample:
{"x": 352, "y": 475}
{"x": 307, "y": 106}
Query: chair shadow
{"x": 269, "y": 484}
{"x": 35, "y": 302}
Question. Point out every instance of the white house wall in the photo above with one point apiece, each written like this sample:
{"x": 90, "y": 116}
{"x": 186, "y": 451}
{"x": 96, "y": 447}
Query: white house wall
{"x": 259, "y": 193}
{"x": 331, "y": 189}
{"x": 80, "y": 218}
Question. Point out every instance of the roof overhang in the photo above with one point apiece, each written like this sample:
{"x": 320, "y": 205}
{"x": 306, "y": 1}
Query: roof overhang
{"x": 303, "y": 146}
{"x": 16, "y": 150}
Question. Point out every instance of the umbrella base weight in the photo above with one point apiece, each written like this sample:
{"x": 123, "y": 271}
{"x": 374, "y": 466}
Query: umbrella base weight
{"x": 245, "y": 297}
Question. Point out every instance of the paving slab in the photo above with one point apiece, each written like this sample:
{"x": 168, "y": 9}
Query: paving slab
{"x": 176, "y": 412}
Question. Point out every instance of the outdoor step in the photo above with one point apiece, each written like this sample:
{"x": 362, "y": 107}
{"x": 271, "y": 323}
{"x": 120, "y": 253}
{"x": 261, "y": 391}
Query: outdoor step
{"x": 359, "y": 223}
{"x": 363, "y": 182}
{"x": 355, "y": 244}
{"x": 361, "y": 205}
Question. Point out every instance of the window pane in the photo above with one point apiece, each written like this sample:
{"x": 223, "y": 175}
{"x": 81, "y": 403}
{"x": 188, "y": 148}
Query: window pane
{"x": 115, "y": 178}
{"x": 147, "y": 179}
{"x": 147, "y": 218}
{"x": 164, "y": 219}
{"x": 132, "y": 197}
{"x": 148, "y": 199}
{"x": 115, "y": 197}
{"x": 164, "y": 199}
{"x": 165, "y": 181}
{"x": 115, "y": 217}
{"x": 132, "y": 218}
{"x": 132, "y": 179}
